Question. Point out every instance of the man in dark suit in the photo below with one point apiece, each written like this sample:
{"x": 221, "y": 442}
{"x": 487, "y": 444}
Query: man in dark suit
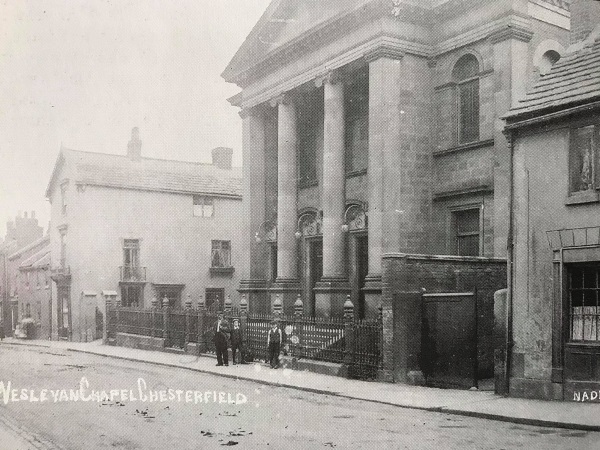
{"x": 220, "y": 338}
{"x": 236, "y": 341}
{"x": 274, "y": 341}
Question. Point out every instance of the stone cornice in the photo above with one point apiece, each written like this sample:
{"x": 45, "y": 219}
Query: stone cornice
{"x": 393, "y": 45}
{"x": 511, "y": 32}
{"x": 445, "y": 258}
{"x": 324, "y": 32}
{"x": 383, "y": 45}
{"x": 384, "y": 51}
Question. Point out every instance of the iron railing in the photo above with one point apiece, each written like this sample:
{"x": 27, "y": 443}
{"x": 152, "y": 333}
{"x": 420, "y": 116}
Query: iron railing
{"x": 353, "y": 342}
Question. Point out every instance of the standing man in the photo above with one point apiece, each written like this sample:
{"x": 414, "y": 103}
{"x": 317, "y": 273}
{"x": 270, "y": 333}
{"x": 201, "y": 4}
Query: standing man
{"x": 236, "y": 341}
{"x": 220, "y": 339}
{"x": 274, "y": 341}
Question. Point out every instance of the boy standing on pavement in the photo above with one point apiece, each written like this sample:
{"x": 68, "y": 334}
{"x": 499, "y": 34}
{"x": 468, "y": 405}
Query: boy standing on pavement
{"x": 236, "y": 341}
{"x": 274, "y": 339}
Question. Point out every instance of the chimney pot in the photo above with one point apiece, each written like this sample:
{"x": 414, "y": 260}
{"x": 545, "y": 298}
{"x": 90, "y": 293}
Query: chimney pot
{"x": 221, "y": 157}
{"x": 134, "y": 147}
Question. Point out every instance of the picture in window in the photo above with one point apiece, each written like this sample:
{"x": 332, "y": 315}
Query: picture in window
{"x": 221, "y": 254}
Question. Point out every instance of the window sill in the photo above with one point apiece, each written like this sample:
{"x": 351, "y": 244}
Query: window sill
{"x": 356, "y": 173}
{"x": 583, "y": 197}
{"x": 222, "y": 271}
{"x": 465, "y": 146}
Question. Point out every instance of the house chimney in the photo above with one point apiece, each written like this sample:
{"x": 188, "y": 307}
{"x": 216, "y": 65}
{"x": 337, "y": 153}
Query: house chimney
{"x": 221, "y": 157}
{"x": 585, "y": 16}
{"x": 134, "y": 148}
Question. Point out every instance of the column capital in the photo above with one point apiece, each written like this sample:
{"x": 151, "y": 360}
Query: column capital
{"x": 331, "y": 77}
{"x": 281, "y": 99}
{"x": 253, "y": 111}
{"x": 511, "y": 32}
{"x": 385, "y": 50}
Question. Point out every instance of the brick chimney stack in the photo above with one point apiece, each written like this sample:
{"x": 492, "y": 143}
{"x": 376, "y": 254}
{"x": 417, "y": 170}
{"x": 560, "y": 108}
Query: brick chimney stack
{"x": 221, "y": 157}
{"x": 585, "y": 16}
{"x": 134, "y": 147}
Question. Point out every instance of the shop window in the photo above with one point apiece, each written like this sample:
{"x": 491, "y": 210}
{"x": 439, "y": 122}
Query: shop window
{"x": 221, "y": 254}
{"x": 466, "y": 77}
{"x": 583, "y": 290}
{"x": 583, "y": 159}
{"x": 356, "y": 98}
{"x": 203, "y": 206}
{"x": 467, "y": 232}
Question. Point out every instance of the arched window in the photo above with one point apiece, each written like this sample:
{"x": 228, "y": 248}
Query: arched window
{"x": 466, "y": 76}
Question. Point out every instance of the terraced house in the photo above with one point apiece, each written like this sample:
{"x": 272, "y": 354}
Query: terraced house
{"x": 130, "y": 228}
{"x": 554, "y": 289}
{"x": 375, "y": 165}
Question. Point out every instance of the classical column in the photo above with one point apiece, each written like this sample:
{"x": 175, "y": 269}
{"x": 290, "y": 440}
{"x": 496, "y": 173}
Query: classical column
{"x": 399, "y": 172}
{"x": 383, "y": 97}
{"x": 254, "y": 276}
{"x": 331, "y": 291}
{"x": 286, "y": 283}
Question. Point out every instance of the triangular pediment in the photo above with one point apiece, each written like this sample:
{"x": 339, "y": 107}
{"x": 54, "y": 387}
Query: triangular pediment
{"x": 283, "y": 22}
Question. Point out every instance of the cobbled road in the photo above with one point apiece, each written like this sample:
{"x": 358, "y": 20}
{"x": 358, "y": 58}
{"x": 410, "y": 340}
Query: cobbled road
{"x": 143, "y": 406}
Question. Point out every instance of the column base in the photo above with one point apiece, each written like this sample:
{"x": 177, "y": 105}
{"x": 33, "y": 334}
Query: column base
{"x": 330, "y": 296}
{"x": 257, "y": 294}
{"x": 288, "y": 290}
{"x": 373, "y": 298}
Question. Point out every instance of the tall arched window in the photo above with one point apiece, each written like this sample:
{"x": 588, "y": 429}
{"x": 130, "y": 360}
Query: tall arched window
{"x": 466, "y": 76}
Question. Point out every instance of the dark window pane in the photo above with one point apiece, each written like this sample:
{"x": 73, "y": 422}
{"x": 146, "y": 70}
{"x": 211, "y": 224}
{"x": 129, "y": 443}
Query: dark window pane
{"x": 356, "y": 98}
{"x": 466, "y": 67}
{"x": 467, "y": 221}
{"x": 468, "y": 245}
{"x": 469, "y": 111}
{"x": 582, "y": 159}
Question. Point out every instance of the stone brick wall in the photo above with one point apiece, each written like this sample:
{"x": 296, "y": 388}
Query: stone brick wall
{"x": 413, "y": 273}
{"x": 585, "y": 16}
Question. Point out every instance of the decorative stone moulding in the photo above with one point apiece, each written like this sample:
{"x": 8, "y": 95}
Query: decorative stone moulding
{"x": 309, "y": 224}
{"x": 267, "y": 232}
{"x": 355, "y": 218}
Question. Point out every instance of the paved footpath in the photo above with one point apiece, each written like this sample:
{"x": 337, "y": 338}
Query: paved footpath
{"x": 570, "y": 415}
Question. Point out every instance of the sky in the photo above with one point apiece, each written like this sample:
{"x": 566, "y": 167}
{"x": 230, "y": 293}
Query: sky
{"x": 83, "y": 73}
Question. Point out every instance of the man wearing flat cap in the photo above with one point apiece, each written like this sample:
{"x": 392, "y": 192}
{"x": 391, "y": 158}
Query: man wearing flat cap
{"x": 274, "y": 341}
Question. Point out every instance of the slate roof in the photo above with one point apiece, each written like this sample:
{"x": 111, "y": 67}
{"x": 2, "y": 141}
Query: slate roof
{"x": 574, "y": 79}
{"x": 36, "y": 243}
{"x": 37, "y": 260}
{"x": 149, "y": 174}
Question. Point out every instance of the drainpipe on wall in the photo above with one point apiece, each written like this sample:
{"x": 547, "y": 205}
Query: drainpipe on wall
{"x": 509, "y": 262}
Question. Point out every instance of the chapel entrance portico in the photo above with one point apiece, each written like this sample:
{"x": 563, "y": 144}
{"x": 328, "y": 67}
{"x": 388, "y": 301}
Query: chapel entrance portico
{"x": 308, "y": 152}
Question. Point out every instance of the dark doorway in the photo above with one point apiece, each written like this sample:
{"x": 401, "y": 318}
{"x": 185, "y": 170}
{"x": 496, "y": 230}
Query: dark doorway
{"x": 362, "y": 269}
{"x": 449, "y": 340}
{"x": 215, "y": 299}
{"x": 273, "y": 262}
{"x": 64, "y": 311}
{"x": 316, "y": 269}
